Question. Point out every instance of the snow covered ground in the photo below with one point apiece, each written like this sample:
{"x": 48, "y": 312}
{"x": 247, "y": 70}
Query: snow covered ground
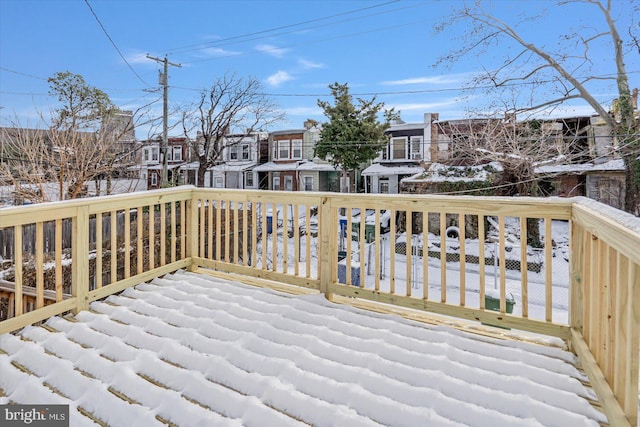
{"x": 536, "y": 285}
{"x": 194, "y": 350}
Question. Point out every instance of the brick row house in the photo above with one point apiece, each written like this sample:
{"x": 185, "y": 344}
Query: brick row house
{"x": 151, "y": 165}
{"x": 412, "y": 161}
{"x": 292, "y": 165}
{"x": 280, "y": 160}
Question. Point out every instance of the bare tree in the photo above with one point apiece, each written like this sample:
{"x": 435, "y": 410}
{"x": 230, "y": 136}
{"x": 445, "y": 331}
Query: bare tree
{"x": 80, "y": 144}
{"x": 519, "y": 147}
{"x": 564, "y": 68}
{"x": 232, "y": 105}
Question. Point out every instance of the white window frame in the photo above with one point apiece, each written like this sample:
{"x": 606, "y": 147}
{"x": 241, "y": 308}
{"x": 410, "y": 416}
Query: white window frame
{"x": 288, "y": 183}
{"x": 416, "y": 154}
{"x": 154, "y": 179}
{"x": 246, "y": 152}
{"x": 177, "y": 153}
{"x": 233, "y": 152}
{"x": 249, "y": 179}
{"x": 393, "y": 148}
{"x": 284, "y": 145}
{"x": 155, "y": 154}
{"x": 308, "y": 183}
{"x": 276, "y": 183}
{"x": 296, "y": 149}
{"x": 146, "y": 155}
{"x": 218, "y": 182}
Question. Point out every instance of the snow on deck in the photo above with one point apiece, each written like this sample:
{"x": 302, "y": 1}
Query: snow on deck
{"x": 193, "y": 350}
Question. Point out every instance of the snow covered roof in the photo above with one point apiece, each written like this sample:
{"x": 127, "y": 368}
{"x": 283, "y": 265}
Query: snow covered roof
{"x": 293, "y": 166}
{"x": 275, "y": 167}
{"x": 232, "y": 167}
{"x": 169, "y": 166}
{"x": 438, "y": 172}
{"x": 313, "y": 166}
{"x": 611, "y": 165}
{"x": 379, "y": 169}
{"x": 190, "y": 349}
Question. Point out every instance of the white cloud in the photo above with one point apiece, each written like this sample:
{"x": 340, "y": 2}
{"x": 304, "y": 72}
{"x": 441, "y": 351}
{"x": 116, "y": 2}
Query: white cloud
{"x": 306, "y": 64}
{"x": 217, "y": 52}
{"x": 278, "y": 78}
{"x": 139, "y": 58}
{"x": 303, "y": 111}
{"x": 435, "y": 80}
{"x": 272, "y": 50}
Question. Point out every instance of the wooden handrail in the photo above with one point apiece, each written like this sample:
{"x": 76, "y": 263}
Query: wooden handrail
{"x": 250, "y": 232}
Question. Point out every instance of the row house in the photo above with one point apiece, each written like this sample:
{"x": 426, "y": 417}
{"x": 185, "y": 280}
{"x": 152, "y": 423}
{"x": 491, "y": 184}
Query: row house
{"x": 293, "y": 165}
{"x": 410, "y": 146}
{"x": 151, "y": 164}
{"x": 240, "y": 155}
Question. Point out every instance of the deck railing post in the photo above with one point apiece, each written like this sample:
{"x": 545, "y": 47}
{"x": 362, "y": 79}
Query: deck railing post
{"x": 326, "y": 259}
{"x": 192, "y": 231}
{"x": 80, "y": 257}
{"x": 576, "y": 277}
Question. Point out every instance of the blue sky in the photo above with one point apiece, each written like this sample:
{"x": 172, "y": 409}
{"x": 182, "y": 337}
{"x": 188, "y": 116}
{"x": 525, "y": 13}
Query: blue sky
{"x": 296, "y": 48}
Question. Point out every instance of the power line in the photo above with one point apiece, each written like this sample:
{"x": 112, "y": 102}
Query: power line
{"x": 114, "y": 45}
{"x": 22, "y": 74}
{"x": 221, "y": 42}
{"x": 405, "y": 92}
{"x": 307, "y": 43}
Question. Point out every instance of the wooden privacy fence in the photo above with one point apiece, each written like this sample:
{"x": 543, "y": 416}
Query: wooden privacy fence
{"x": 562, "y": 267}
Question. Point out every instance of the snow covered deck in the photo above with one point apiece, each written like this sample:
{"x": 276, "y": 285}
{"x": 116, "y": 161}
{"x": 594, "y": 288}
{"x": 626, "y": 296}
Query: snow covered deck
{"x": 189, "y": 349}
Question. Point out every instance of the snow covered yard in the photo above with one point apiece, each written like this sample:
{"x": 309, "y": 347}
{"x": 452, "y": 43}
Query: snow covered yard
{"x": 192, "y": 350}
{"x": 536, "y": 286}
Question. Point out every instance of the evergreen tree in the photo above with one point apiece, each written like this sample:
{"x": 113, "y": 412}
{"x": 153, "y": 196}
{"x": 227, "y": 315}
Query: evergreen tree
{"x": 353, "y": 135}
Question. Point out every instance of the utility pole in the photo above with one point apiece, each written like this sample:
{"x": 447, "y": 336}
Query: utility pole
{"x": 163, "y": 80}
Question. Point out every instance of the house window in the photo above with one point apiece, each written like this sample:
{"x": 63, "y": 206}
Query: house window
{"x": 154, "y": 179}
{"x": 154, "y": 154}
{"x": 288, "y": 183}
{"x": 416, "y": 148}
{"x": 276, "y": 183}
{"x": 245, "y": 152}
{"x": 283, "y": 149}
{"x": 384, "y": 186}
{"x": 177, "y": 153}
{"x": 145, "y": 155}
{"x": 248, "y": 179}
{"x": 218, "y": 182}
{"x": 398, "y": 146}
{"x": 308, "y": 183}
{"x": 233, "y": 153}
{"x": 296, "y": 148}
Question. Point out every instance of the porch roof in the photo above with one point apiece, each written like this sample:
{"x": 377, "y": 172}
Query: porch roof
{"x": 190, "y": 349}
{"x": 232, "y": 167}
{"x": 378, "y": 169}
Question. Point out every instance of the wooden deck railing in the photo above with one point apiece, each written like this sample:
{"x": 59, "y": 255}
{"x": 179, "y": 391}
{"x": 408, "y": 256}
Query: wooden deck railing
{"x": 567, "y": 268}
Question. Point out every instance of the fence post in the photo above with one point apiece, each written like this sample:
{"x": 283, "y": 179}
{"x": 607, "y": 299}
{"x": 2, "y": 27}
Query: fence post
{"x": 192, "y": 231}
{"x": 80, "y": 258}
